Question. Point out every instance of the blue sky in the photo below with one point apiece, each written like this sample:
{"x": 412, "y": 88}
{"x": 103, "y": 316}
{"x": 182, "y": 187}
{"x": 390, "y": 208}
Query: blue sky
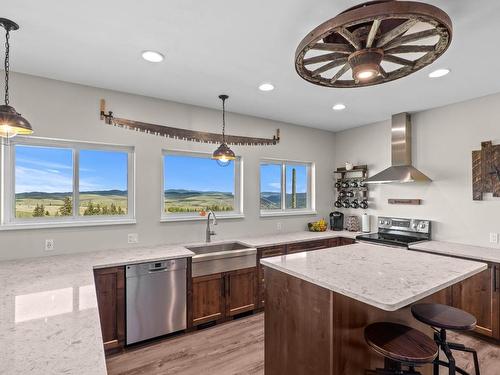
{"x": 270, "y": 178}
{"x": 50, "y": 170}
{"x": 193, "y": 173}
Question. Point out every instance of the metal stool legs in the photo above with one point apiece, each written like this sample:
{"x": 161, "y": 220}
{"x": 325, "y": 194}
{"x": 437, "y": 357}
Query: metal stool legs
{"x": 447, "y": 347}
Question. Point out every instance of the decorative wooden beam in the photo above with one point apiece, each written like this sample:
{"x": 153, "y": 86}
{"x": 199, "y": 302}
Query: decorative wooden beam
{"x": 183, "y": 134}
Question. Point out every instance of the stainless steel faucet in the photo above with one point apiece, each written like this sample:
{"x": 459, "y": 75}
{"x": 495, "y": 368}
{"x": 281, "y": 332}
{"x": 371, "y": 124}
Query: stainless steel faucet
{"x": 210, "y": 232}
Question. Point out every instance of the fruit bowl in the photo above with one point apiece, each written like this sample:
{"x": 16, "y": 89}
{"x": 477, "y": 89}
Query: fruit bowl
{"x": 317, "y": 226}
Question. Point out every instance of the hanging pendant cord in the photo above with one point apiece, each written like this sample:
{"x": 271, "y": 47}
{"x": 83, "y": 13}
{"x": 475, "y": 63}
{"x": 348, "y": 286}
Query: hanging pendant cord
{"x": 7, "y": 66}
{"x": 223, "y": 121}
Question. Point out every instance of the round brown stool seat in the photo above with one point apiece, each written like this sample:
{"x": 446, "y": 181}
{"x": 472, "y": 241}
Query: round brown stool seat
{"x": 443, "y": 316}
{"x": 401, "y": 343}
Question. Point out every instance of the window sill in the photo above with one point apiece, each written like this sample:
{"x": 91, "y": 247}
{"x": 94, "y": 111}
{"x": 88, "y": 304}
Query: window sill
{"x": 287, "y": 213}
{"x": 166, "y": 219}
{"x": 66, "y": 224}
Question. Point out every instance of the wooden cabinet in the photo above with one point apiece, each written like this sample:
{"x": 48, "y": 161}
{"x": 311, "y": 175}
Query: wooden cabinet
{"x": 306, "y": 246}
{"x": 110, "y": 290}
{"x": 208, "y": 298}
{"x": 222, "y": 295}
{"x": 346, "y": 241}
{"x": 480, "y": 296}
{"x": 265, "y": 252}
{"x": 241, "y": 286}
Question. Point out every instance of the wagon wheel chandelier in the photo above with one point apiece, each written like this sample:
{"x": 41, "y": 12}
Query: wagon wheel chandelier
{"x": 373, "y": 43}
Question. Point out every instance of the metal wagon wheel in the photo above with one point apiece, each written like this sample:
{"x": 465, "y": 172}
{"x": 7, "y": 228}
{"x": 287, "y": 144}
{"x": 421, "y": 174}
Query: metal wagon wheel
{"x": 373, "y": 43}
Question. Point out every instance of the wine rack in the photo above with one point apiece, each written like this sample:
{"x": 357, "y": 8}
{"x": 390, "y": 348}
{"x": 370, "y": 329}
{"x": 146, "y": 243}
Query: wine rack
{"x": 351, "y": 191}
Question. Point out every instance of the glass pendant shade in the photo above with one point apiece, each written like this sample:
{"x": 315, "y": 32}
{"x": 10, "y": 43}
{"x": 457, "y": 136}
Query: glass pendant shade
{"x": 12, "y": 123}
{"x": 223, "y": 155}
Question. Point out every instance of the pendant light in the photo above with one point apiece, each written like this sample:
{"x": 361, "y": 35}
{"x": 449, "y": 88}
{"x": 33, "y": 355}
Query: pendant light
{"x": 11, "y": 122}
{"x": 223, "y": 154}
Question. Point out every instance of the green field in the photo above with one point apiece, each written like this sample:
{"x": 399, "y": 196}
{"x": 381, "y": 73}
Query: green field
{"x": 100, "y": 203}
{"x": 195, "y": 201}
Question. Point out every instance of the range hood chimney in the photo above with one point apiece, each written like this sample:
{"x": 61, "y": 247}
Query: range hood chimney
{"x": 401, "y": 170}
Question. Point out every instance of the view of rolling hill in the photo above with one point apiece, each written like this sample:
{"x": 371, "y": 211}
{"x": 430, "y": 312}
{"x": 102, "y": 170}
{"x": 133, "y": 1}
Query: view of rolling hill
{"x": 106, "y": 202}
{"x": 179, "y": 200}
{"x": 271, "y": 200}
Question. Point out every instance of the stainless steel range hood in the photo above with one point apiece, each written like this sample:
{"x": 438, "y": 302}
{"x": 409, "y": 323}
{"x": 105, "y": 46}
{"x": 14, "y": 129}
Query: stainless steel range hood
{"x": 401, "y": 170}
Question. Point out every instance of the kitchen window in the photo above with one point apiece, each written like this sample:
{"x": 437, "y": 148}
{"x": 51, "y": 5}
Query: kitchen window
{"x": 286, "y": 188}
{"x": 65, "y": 183}
{"x": 194, "y": 182}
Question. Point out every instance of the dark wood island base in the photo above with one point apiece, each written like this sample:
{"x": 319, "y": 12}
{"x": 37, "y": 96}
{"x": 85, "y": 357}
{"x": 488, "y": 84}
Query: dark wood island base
{"x": 310, "y": 330}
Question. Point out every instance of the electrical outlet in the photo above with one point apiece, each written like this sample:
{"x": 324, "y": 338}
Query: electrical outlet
{"x": 49, "y": 245}
{"x": 279, "y": 226}
{"x": 493, "y": 237}
{"x": 133, "y": 238}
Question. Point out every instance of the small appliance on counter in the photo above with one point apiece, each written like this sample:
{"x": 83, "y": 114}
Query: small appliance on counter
{"x": 336, "y": 220}
{"x": 397, "y": 232}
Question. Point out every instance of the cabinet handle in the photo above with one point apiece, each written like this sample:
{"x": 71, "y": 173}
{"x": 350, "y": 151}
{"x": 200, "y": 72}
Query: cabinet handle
{"x": 495, "y": 278}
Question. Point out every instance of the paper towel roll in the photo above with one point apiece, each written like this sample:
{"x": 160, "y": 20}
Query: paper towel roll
{"x": 365, "y": 223}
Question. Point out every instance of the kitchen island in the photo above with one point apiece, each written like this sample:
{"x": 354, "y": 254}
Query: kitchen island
{"x": 319, "y": 302}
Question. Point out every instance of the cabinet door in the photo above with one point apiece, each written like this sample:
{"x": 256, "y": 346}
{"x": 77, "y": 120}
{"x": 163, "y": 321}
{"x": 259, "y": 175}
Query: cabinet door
{"x": 346, "y": 241}
{"x": 306, "y": 246}
{"x": 479, "y": 296}
{"x": 241, "y": 286}
{"x": 110, "y": 290}
{"x": 266, "y": 252}
{"x": 208, "y": 298}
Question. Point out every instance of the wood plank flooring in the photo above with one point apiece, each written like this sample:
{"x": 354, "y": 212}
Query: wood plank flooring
{"x": 237, "y": 348}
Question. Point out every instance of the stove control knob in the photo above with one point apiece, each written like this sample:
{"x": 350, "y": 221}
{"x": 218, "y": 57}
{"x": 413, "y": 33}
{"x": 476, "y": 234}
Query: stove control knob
{"x": 414, "y": 225}
{"x": 381, "y": 222}
{"x": 423, "y": 225}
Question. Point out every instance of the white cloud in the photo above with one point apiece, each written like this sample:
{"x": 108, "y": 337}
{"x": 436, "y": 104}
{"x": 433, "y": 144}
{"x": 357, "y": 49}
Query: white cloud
{"x": 31, "y": 179}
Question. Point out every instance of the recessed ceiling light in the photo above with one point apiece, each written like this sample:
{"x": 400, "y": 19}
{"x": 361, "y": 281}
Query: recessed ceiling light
{"x": 152, "y": 56}
{"x": 339, "y": 107}
{"x": 266, "y": 87}
{"x": 439, "y": 73}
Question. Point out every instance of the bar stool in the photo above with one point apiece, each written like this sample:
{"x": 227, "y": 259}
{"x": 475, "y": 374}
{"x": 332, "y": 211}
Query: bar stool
{"x": 401, "y": 346}
{"x": 443, "y": 317}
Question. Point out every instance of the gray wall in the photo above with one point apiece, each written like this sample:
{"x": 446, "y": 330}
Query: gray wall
{"x": 443, "y": 140}
{"x": 69, "y": 111}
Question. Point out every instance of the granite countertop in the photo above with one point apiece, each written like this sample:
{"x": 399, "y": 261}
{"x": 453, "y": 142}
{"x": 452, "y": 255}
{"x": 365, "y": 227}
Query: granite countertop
{"x": 486, "y": 254}
{"x": 278, "y": 239}
{"x": 381, "y": 276}
{"x": 49, "y": 322}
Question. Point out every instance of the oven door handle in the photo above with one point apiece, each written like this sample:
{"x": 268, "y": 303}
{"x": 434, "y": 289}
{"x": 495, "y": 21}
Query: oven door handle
{"x": 381, "y": 244}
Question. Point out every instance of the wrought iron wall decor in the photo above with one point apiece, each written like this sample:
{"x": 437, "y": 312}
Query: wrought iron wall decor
{"x": 183, "y": 134}
{"x": 486, "y": 171}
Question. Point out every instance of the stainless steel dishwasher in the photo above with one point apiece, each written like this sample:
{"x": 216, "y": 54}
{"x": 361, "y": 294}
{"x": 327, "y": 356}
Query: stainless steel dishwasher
{"x": 156, "y": 299}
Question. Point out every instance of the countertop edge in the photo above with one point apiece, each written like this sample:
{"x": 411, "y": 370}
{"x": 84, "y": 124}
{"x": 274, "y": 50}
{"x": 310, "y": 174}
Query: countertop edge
{"x": 387, "y": 307}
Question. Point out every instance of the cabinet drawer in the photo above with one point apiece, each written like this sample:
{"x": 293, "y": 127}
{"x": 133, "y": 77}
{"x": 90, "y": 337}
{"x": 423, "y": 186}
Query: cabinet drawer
{"x": 306, "y": 246}
{"x": 271, "y": 251}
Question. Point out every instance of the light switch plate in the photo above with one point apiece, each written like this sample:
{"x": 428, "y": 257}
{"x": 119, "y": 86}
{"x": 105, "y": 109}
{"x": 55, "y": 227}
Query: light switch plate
{"x": 49, "y": 245}
{"x": 493, "y": 237}
{"x": 279, "y": 226}
{"x": 133, "y": 238}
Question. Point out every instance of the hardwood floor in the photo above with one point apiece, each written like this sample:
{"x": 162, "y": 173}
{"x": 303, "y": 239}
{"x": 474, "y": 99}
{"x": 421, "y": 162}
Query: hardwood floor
{"x": 237, "y": 348}
{"x": 234, "y": 348}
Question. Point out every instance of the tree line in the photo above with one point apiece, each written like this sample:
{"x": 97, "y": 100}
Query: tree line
{"x": 91, "y": 209}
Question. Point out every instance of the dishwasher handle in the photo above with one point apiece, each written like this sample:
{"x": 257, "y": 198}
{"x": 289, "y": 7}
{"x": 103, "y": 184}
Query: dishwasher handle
{"x": 135, "y": 270}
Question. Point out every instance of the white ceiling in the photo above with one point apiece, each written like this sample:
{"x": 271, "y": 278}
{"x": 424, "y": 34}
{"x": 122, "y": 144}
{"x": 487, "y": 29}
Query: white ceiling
{"x": 228, "y": 46}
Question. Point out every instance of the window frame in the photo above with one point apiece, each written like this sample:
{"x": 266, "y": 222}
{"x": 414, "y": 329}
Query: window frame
{"x": 191, "y": 216}
{"x": 8, "y": 203}
{"x": 311, "y": 188}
